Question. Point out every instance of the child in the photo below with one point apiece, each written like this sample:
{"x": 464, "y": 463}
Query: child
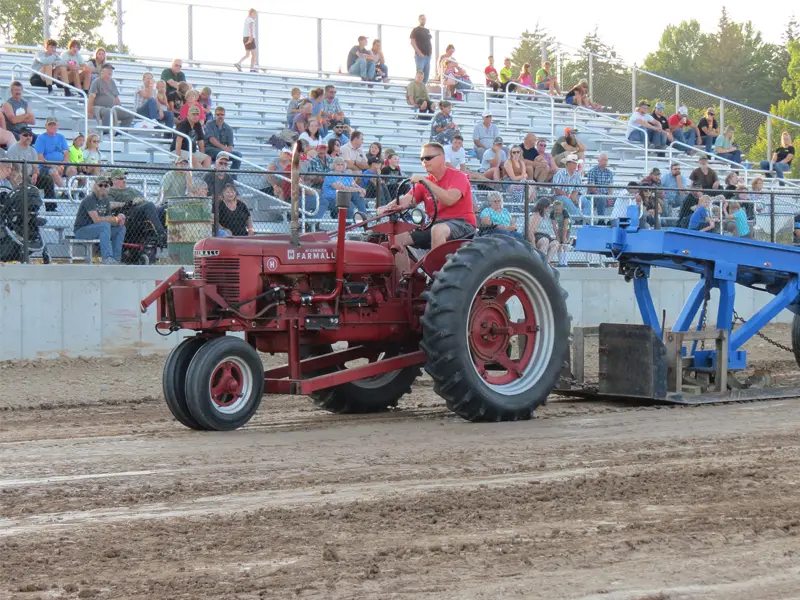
{"x": 91, "y": 154}
{"x": 740, "y": 220}
{"x": 192, "y": 99}
{"x": 293, "y": 107}
{"x": 702, "y": 219}
{"x": 177, "y": 98}
{"x": 492, "y": 79}
{"x": 206, "y": 103}
{"x": 506, "y": 74}
{"x": 561, "y": 217}
{"x": 75, "y": 155}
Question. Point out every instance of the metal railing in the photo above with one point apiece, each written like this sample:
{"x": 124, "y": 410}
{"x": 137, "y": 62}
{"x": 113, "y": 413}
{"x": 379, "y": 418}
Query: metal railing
{"x": 535, "y": 93}
{"x": 624, "y": 139}
{"x": 53, "y": 101}
{"x": 126, "y": 132}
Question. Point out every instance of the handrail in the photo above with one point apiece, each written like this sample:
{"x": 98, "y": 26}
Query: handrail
{"x": 535, "y": 93}
{"x": 607, "y": 136}
{"x": 51, "y": 100}
{"x": 475, "y": 86}
{"x": 125, "y": 131}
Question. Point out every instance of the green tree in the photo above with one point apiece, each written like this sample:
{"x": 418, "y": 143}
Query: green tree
{"x": 22, "y": 21}
{"x": 680, "y": 54}
{"x": 611, "y": 78}
{"x": 533, "y": 46}
{"x": 81, "y": 19}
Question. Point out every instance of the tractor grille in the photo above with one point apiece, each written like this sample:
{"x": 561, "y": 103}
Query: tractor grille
{"x": 222, "y": 272}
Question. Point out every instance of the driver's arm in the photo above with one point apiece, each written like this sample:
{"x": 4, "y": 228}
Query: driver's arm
{"x": 402, "y": 202}
{"x": 446, "y": 197}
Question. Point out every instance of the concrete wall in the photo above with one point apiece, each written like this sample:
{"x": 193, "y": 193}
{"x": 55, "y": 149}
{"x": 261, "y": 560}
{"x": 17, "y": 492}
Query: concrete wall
{"x": 48, "y": 311}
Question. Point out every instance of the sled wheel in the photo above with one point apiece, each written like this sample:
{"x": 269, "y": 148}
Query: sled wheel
{"x": 224, "y": 384}
{"x": 486, "y": 362}
{"x": 796, "y": 338}
{"x": 173, "y": 381}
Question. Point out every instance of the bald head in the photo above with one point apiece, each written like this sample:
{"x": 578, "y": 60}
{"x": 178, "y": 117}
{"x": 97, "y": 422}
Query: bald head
{"x": 602, "y": 160}
{"x": 529, "y": 141}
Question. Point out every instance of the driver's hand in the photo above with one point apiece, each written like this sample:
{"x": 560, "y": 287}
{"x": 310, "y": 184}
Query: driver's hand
{"x": 417, "y": 178}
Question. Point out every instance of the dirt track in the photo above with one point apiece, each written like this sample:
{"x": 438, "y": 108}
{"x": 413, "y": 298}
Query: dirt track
{"x": 102, "y": 495}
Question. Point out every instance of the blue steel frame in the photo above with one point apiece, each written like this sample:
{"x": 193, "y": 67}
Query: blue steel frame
{"x": 721, "y": 261}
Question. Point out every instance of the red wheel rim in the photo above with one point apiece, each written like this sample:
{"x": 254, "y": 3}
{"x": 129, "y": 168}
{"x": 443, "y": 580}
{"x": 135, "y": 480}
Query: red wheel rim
{"x": 227, "y": 384}
{"x": 491, "y": 331}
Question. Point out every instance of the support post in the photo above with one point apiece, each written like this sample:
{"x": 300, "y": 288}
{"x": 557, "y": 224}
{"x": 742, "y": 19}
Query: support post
{"x": 189, "y": 11}
{"x": 258, "y": 42}
{"x": 120, "y": 43}
{"x": 677, "y": 97}
{"x": 722, "y": 116}
{"x": 633, "y": 89}
{"x": 491, "y": 45}
{"x": 772, "y": 217}
{"x": 46, "y": 19}
{"x": 319, "y": 45}
{"x": 591, "y": 75}
{"x": 769, "y": 138}
{"x": 436, "y": 53}
{"x": 25, "y": 211}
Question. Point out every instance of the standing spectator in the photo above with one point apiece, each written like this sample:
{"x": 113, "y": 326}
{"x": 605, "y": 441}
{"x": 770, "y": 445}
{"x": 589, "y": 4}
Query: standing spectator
{"x": 361, "y": 61}
{"x": 724, "y": 146}
{"x": 103, "y": 97}
{"x": 541, "y": 148}
{"x": 567, "y": 145}
{"x": 599, "y": 179}
{"x": 492, "y": 78}
{"x": 331, "y": 109}
{"x": 353, "y": 154}
{"x": 51, "y": 146}
{"x": 506, "y": 75}
{"x": 578, "y": 95}
{"x": 565, "y": 183}
{"x": 417, "y": 94}
{"x": 498, "y": 216}
{"x": 97, "y": 62}
{"x": 17, "y": 111}
{"x": 454, "y": 154}
{"x": 94, "y": 221}
{"x": 739, "y": 216}
{"x": 675, "y": 186}
{"x": 535, "y": 165}
{"x": 781, "y": 158}
{"x": 381, "y": 70}
{"x": 421, "y": 42}
{"x": 47, "y": 65}
{"x": 642, "y": 120}
{"x": 484, "y": 134}
{"x": 146, "y": 102}
{"x": 684, "y": 139}
{"x": 545, "y": 81}
{"x": 249, "y": 40}
{"x": 191, "y": 127}
{"x": 705, "y": 175}
{"x": 709, "y": 129}
{"x": 24, "y": 150}
{"x": 173, "y": 75}
{"x": 78, "y": 73}
{"x": 220, "y": 138}
{"x": 493, "y": 160}
{"x": 442, "y": 126}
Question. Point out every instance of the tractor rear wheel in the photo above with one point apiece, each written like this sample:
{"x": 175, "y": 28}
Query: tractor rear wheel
{"x": 224, "y": 384}
{"x": 486, "y": 362}
{"x": 374, "y": 394}
{"x": 173, "y": 381}
{"x": 796, "y": 338}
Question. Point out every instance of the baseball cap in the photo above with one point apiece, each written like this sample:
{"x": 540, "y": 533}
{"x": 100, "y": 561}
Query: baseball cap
{"x": 659, "y": 106}
{"x": 569, "y": 130}
{"x": 572, "y": 158}
{"x": 498, "y": 140}
{"x": 322, "y": 145}
{"x": 337, "y": 123}
{"x": 487, "y": 113}
{"x": 24, "y": 130}
{"x": 644, "y": 103}
{"x": 286, "y": 151}
{"x": 116, "y": 173}
{"x": 702, "y": 157}
{"x": 683, "y": 111}
{"x": 51, "y": 120}
{"x": 194, "y": 110}
{"x": 371, "y": 160}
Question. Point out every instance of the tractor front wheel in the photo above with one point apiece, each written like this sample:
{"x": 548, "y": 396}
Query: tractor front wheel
{"x": 495, "y": 330}
{"x": 173, "y": 381}
{"x": 224, "y": 384}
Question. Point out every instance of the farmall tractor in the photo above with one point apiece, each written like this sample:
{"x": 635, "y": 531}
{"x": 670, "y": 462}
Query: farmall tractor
{"x": 485, "y": 317}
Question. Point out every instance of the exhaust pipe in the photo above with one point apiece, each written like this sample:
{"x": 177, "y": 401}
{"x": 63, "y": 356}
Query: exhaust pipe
{"x": 295, "y": 177}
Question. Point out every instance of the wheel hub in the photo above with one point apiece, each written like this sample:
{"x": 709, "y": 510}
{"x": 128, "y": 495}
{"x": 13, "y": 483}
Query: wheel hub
{"x": 489, "y": 330}
{"x": 227, "y": 384}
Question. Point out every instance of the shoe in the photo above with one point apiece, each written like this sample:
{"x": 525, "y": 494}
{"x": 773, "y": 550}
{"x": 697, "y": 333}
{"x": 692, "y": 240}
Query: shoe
{"x": 108, "y": 260}
{"x": 254, "y": 70}
{"x": 238, "y": 67}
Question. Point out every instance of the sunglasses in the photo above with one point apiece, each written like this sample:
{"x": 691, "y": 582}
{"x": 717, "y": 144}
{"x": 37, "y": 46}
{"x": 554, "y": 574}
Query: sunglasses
{"x": 26, "y": 135}
{"x": 102, "y": 185}
{"x": 428, "y": 157}
{"x": 515, "y": 152}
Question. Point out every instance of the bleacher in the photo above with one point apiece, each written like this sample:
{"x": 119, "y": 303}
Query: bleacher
{"x": 255, "y": 106}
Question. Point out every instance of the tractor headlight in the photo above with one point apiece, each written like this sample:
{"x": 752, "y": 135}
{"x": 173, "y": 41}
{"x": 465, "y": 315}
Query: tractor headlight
{"x": 417, "y": 217}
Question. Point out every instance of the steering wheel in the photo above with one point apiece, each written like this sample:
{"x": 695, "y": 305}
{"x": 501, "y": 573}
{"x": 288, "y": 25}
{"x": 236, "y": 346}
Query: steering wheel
{"x": 407, "y": 213}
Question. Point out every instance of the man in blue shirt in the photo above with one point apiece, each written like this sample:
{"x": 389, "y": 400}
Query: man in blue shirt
{"x": 599, "y": 178}
{"x": 52, "y": 147}
{"x": 675, "y": 186}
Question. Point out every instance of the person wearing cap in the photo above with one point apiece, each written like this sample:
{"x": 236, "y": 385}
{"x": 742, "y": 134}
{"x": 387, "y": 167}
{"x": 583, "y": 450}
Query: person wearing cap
{"x": 339, "y": 132}
{"x": 361, "y": 61}
{"x": 220, "y": 177}
{"x": 24, "y": 150}
{"x": 103, "y": 97}
{"x": 78, "y": 73}
{"x": 51, "y": 146}
{"x": 142, "y": 216}
{"x": 220, "y": 138}
{"x": 442, "y": 126}
{"x": 725, "y": 147}
{"x": 321, "y": 163}
{"x": 191, "y": 127}
{"x": 643, "y": 128}
{"x": 493, "y": 160}
{"x": 684, "y": 133}
{"x": 705, "y": 175}
{"x": 566, "y": 184}
{"x": 94, "y": 221}
{"x": 176, "y": 183}
{"x": 484, "y": 134}
{"x": 567, "y": 144}
{"x": 709, "y": 129}
{"x": 17, "y": 111}
{"x": 417, "y": 95}
{"x": 658, "y": 115}
{"x": 674, "y": 185}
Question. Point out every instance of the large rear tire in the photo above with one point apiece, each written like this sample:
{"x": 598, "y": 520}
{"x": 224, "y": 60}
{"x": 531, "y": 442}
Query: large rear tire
{"x": 796, "y": 338}
{"x": 224, "y": 384}
{"x": 173, "y": 381}
{"x": 486, "y": 363}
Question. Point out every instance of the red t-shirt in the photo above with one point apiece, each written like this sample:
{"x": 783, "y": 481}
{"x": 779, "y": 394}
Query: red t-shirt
{"x": 486, "y": 72}
{"x": 453, "y": 179}
{"x": 677, "y": 120}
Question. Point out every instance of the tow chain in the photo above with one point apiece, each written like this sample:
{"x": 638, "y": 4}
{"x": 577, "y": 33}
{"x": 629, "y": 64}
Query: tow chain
{"x": 738, "y": 319}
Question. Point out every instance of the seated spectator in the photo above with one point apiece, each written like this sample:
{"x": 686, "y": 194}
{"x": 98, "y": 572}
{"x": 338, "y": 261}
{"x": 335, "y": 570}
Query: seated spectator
{"x": 641, "y": 124}
{"x": 453, "y": 77}
{"x": 565, "y": 186}
{"x": 506, "y": 75}
{"x": 176, "y": 183}
{"x": 360, "y": 61}
{"x": 493, "y": 160}
{"x": 535, "y": 165}
{"x": 375, "y": 151}
{"x": 76, "y": 155}
{"x": 381, "y": 70}
{"x": 191, "y": 127}
{"x": 221, "y": 177}
{"x": 395, "y": 175}
{"x": 484, "y": 134}
{"x": 781, "y": 158}
{"x": 220, "y": 138}
{"x": 234, "y": 216}
{"x": 321, "y": 163}
{"x": 206, "y": 102}
{"x": 331, "y": 109}
{"x": 192, "y": 99}
{"x": 176, "y": 98}
{"x": 312, "y": 134}
{"x": 174, "y": 76}
{"x": 599, "y": 178}
{"x": 567, "y": 145}
{"x": 542, "y": 229}
{"x": 624, "y": 201}
{"x": 146, "y": 102}
{"x": 731, "y": 184}
{"x": 689, "y": 205}
{"x": 417, "y": 94}
{"x": 140, "y": 215}
{"x": 48, "y": 67}
{"x": 6, "y": 137}
{"x": 375, "y": 188}
{"x": 454, "y": 154}
{"x": 709, "y": 129}
{"x": 96, "y": 63}
{"x": 498, "y": 216}
{"x": 24, "y": 150}
{"x": 103, "y": 97}
{"x": 541, "y": 148}
{"x": 77, "y": 71}
{"x": 675, "y": 186}
{"x": 525, "y": 79}
{"x": 162, "y": 100}
{"x": 578, "y": 95}
{"x": 17, "y": 111}
{"x": 335, "y": 147}
{"x": 293, "y": 107}
{"x": 492, "y": 78}
{"x": 684, "y": 133}
{"x": 353, "y": 154}
{"x": 562, "y": 224}
{"x": 280, "y": 187}
{"x": 340, "y": 181}
{"x": 705, "y": 175}
{"x": 442, "y": 126}
{"x": 725, "y": 147}
{"x": 51, "y": 146}
{"x": 94, "y": 221}
{"x": 300, "y": 121}
{"x": 702, "y": 219}
{"x": 545, "y": 81}
{"x": 651, "y": 205}
{"x": 514, "y": 171}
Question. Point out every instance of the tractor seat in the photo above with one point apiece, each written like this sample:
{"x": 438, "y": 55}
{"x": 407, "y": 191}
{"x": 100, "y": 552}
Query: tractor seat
{"x": 416, "y": 254}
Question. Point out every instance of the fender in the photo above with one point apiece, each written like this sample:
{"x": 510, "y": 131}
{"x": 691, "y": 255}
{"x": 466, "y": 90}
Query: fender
{"x": 435, "y": 259}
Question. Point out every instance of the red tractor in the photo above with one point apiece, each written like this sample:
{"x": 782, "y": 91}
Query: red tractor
{"x": 486, "y": 317}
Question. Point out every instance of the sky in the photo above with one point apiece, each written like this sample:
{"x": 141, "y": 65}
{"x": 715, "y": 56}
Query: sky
{"x": 159, "y": 28}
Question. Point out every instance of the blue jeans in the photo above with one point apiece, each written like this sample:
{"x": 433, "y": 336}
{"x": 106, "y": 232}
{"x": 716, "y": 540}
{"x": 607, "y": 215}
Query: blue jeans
{"x": 657, "y": 138}
{"x": 708, "y": 142}
{"x": 150, "y": 110}
{"x": 572, "y": 210}
{"x": 779, "y": 167}
{"x": 637, "y": 137}
{"x": 212, "y": 151}
{"x": 423, "y": 63}
{"x": 685, "y": 140}
{"x": 363, "y": 68}
{"x": 735, "y": 156}
{"x": 599, "y": 206}
{"x": 384, "y": 69}
{"x": 111, "y": 238}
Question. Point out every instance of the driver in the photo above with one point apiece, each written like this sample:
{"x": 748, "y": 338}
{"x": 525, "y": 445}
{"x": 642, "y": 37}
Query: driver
{"x": 450, "y": 188}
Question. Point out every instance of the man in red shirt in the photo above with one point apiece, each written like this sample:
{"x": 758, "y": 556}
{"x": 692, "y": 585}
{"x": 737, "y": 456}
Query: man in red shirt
{"x": 685, "y": 139}
{"x": 450, "y": 188}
